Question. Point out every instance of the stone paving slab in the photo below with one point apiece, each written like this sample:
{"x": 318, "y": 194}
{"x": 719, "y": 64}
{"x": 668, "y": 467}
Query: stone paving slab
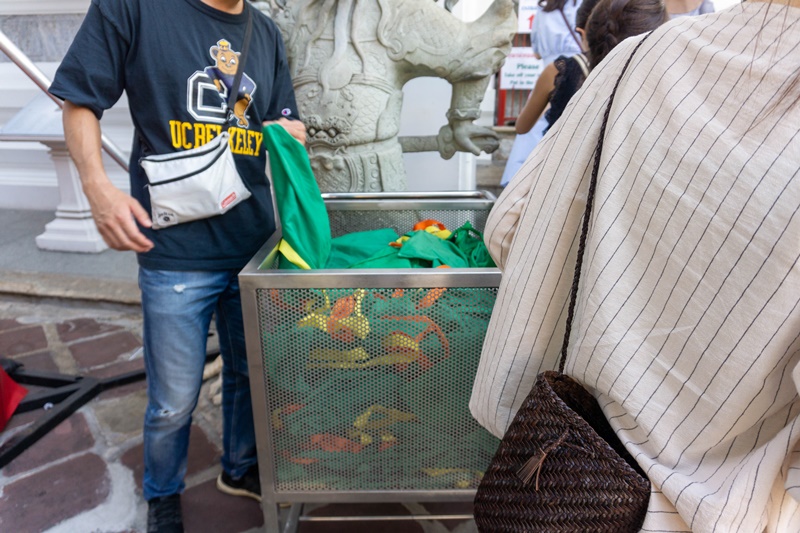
{"x": 85, "y": 475}
{"x": 22, "y": 340}
{"x": 69, "y": 437}
{"x": 41, "y": 361}
{"x": 104, "y": 349}
{"x": 82, "y": 328}
{"x": 202, "y": 506}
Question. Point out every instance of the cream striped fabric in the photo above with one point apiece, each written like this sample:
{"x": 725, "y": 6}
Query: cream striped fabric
{"x": 687, "y": 321}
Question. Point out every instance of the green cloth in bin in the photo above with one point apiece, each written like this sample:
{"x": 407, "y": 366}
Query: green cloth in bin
{"x": 387, "y": 258}
{"x": 304, "y": 220}
{"x": 423, "y": 245}
{"x": 371, "y": 249}
{"x": 470, "y": 242}
{"x": 359, "y": 246}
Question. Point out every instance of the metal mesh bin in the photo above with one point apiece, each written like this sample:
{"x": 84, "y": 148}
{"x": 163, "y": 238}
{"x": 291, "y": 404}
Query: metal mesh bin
{"x": 361, "y": 378}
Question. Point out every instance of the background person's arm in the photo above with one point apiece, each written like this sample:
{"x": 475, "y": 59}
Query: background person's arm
{"x": 538, "y": 100}
{"x": 113, "y": 210}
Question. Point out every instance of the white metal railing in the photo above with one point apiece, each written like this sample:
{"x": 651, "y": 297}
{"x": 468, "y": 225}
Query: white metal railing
{"x": 37, "y": 76}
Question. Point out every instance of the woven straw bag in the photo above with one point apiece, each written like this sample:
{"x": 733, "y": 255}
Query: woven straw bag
{"x": 560, "y": 467}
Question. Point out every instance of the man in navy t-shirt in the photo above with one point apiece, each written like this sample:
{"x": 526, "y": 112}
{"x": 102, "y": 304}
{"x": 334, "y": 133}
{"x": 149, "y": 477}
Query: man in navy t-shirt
{"x": 174, "y": 59}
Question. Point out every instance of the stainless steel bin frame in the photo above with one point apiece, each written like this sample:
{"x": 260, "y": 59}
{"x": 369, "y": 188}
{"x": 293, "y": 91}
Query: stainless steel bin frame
{"x": 258, "y": 275}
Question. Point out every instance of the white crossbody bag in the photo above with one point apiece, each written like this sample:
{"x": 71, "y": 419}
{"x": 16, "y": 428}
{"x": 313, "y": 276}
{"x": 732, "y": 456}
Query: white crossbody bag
{"x": 202, "y": 182}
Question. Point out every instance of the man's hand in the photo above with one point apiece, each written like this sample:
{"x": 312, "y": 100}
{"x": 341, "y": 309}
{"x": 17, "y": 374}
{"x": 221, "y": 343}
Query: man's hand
{"x": 113, "y": 210}
{"x": 114, "y": 213}
{"x": 295, "y": 128}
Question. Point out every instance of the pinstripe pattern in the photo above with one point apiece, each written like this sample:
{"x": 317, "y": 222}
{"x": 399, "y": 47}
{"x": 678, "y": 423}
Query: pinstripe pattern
{"x": 687, "y": 323}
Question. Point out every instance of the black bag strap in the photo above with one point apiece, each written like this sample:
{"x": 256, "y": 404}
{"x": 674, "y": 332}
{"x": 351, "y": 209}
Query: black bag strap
{"x": 237, "y": 79}
{"x": 573, "y": 297}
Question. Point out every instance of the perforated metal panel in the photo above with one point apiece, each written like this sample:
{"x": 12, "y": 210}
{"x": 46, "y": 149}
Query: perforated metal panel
{"x": 368, "y": 388}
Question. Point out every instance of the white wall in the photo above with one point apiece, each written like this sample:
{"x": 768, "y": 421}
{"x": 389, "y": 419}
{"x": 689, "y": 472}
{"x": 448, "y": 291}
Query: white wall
{"x": 43, "y": 7}
{"x": 425, "y": 103}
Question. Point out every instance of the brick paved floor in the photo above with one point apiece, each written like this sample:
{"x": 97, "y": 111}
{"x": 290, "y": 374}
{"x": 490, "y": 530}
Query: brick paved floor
{"x": 85, "y": 475}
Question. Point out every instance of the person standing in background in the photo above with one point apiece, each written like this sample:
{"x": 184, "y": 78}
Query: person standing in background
{"x": 546, "y": 85}
{"x": 562, "y": 78}
{"x": 610, "y": 23}
{"x": 552, "y": 34}
{"x": 176, "y": 60}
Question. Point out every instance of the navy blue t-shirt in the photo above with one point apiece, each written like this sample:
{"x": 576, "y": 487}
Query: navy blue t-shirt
{"x": 174, "y": 59}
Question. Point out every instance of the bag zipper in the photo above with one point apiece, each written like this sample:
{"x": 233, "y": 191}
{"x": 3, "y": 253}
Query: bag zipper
{"x": 181, "y": 155}
{"x": 189, "y": 175}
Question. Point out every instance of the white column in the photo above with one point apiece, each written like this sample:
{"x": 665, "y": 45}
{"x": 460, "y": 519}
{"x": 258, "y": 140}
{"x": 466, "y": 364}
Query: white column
{"x": 467, "y": 171}
{"x": 73, "y": 229}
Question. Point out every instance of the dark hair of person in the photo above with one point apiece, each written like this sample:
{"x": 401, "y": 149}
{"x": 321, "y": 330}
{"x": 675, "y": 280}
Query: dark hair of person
{"x": 613, "y": 21}
{"x": 582, "y": 15}
{"x": 791, "y": 95}
{"x": 554, "y": 5}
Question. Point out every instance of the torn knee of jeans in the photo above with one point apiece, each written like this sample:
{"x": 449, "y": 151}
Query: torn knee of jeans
{"x": 179, "y": 288}
{"x": 167, "y": 414}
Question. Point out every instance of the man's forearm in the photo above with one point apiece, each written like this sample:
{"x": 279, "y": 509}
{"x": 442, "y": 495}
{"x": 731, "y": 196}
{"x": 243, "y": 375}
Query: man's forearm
{"x": 83, "y": 137}
{"x": 538, "y": 100}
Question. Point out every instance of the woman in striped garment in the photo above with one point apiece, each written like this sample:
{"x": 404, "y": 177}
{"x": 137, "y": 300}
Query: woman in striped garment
{"x": 687, "y": 324}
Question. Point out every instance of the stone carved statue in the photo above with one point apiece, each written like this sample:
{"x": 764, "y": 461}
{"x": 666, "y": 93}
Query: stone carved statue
{"x": 349, "y": 60}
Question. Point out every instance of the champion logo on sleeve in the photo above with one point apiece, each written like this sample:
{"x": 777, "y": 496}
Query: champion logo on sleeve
{"x": 286, "y": 112}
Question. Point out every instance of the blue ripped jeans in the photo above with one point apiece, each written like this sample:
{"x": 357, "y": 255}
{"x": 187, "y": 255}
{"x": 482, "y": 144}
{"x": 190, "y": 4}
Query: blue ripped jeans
{"x": 177, "y": 308}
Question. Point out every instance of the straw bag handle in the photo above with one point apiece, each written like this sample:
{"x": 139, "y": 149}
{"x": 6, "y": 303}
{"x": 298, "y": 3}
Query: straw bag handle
{"x": 588, "y": 213}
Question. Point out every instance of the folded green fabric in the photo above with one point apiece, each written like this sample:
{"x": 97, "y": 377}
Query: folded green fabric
{"x": 423, "y": 245}
{"x": 354, "y": 248}
{"x": 386, "y": 258}
{"x": 371, "y": 249}
{"x": 470, "y": 242}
